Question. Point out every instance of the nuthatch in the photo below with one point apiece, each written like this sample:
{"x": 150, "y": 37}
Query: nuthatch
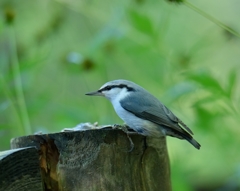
{"x": 143, "y": 112}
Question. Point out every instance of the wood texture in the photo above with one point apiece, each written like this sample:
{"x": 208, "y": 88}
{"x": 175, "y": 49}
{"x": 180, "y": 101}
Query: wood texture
{"x": 98, "y": 160}
{"x": 19, "y": 170}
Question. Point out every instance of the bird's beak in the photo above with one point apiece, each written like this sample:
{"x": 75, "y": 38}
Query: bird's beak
{"x": 96, "y": 93}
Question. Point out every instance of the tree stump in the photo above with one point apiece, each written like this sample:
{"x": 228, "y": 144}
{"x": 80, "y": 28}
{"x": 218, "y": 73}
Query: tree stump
{"x": 99, "y": 160}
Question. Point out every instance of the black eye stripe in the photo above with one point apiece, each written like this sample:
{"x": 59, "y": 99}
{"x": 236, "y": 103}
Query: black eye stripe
{"x": 107, "y": 88}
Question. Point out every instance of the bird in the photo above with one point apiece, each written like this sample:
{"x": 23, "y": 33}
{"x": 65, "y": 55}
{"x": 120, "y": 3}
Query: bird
{"x": 143, "y": 112}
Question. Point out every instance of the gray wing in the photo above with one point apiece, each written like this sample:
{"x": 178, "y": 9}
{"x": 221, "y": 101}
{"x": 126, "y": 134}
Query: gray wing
{"x": 154, "y": 111}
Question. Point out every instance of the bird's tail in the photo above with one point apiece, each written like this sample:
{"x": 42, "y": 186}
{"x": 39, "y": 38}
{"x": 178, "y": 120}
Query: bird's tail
{"x": 184, "y": 135}
{"x": 194, "y": 143}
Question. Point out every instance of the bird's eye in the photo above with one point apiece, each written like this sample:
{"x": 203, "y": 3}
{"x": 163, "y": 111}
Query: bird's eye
{"x": 108, "y": 88}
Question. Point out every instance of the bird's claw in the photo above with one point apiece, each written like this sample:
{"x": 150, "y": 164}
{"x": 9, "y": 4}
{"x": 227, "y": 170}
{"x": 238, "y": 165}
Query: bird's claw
{"x": 131, "y": 144}
{"x": 125, "y": 128}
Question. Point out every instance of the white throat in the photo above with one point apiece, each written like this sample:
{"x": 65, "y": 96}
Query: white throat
{"x": 115, "y": 100}
{"x": 117, "y": 95}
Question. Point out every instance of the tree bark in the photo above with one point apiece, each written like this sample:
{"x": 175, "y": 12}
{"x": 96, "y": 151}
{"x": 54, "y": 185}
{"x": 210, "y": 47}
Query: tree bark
{"x": 96, "y": 160}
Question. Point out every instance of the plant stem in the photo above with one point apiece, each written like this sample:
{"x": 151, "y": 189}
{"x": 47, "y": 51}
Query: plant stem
{"x": 217, "y": 22}
{"x": 10, "y": 98}
{"x": 18, "y": 84}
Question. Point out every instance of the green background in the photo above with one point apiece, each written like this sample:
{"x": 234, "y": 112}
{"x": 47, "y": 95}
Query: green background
{"x": 52, "y": 52}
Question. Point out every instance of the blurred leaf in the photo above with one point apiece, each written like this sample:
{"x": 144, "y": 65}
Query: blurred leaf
{"x": 205, "y": 100}
{"x": 205, "y": 79}
{"x": 141, "y": 22}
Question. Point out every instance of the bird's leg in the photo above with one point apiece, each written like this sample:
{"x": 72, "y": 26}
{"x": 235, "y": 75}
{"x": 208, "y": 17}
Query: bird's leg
{"x": 131, "y": 143}
{"x": 125, "y": 128}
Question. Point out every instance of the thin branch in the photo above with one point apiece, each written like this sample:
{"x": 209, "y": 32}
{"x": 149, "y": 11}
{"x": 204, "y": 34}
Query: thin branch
{"x": 209, "y": 17}
{"x": 18, "y": 83}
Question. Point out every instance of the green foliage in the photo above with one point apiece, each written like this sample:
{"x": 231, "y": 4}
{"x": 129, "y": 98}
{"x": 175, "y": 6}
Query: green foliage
{"x": 141, "y": 22}
{"x": 55, "y": 51}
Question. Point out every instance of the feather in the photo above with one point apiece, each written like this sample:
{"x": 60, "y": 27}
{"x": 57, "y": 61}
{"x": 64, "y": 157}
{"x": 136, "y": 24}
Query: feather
{"x": 153, "y": 110}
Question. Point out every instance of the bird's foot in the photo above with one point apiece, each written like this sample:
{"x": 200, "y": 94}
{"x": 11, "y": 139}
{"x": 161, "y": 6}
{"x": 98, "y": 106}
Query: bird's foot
{"x": 126, "y": 129}
{"x": 131, "y": 143}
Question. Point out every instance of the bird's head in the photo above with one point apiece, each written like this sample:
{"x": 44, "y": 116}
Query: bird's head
{"x": 115, "y": 89}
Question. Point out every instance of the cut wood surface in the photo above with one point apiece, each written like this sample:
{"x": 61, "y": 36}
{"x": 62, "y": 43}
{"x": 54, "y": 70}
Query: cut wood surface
{"x": 19, "y": 170}
{"x": 99, "y": 160}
